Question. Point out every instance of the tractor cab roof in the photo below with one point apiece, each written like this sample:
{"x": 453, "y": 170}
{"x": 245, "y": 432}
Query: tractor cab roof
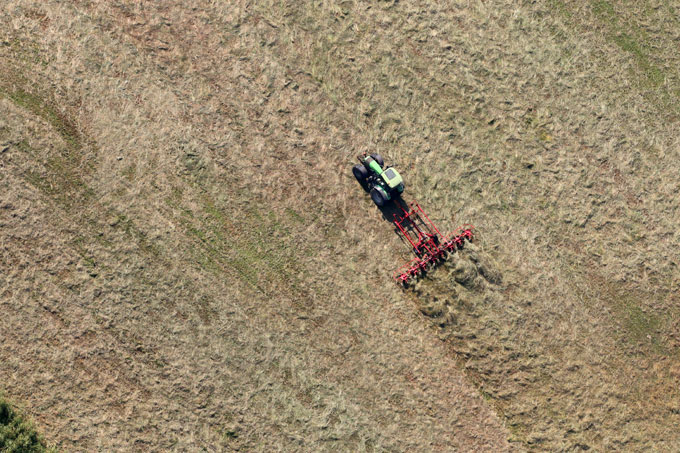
{"x": 392, "y": 177}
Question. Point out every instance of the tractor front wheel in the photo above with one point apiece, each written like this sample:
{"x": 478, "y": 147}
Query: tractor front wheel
{"x": 360, "y": 172}
{"x": 378, "y": 197}
{"x": 378, "y": 158}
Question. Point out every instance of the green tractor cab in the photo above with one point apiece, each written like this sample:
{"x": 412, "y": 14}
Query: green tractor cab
{"x": 383, "y": 183}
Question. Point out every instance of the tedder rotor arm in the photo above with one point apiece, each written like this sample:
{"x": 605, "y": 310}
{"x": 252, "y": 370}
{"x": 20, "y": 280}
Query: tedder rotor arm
{"x": 429, "y": 246}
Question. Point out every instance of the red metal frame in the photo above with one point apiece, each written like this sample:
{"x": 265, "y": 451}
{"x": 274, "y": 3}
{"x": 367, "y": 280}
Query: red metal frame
{"x": 429, "y": 247}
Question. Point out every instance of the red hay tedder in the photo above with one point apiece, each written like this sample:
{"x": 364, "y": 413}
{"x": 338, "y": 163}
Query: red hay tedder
{"x": 428, "y": 244}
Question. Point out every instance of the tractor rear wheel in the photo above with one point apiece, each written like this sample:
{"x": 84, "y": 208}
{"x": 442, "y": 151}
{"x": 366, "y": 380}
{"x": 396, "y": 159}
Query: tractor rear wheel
{"x": 378, "y": 158}
{"x": 360, "y": 172}
{"x": 378, "y": 197}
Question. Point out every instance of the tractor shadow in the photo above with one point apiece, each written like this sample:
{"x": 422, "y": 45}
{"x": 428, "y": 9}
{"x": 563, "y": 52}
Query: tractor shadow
{"x": 391, "y": 211}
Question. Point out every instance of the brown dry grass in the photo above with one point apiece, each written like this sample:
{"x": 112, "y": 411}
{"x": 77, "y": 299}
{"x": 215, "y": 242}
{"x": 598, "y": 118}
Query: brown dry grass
{"x": 188, "y": 264}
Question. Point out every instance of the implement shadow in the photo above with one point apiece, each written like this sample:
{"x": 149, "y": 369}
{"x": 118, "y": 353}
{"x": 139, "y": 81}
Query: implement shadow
{"x": 395, "y": 210}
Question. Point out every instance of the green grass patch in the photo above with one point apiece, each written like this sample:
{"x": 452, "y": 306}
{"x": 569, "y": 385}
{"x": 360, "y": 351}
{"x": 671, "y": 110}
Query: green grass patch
{"x": 61, "y": 178}
{"x": 641, "y": 326}
{"x": 39, "y": 107}
{"x": 632, "y": 35}
{"x": 295, "y": 216}
{"x": 639, "y": 323}
{"x": 654, "y": 75}
{"x": 258, "y": 246}
{"x": 631, "y": 39}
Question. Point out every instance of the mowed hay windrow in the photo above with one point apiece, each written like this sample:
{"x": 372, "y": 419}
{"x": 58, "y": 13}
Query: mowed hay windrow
{"x": 188, "y": 262}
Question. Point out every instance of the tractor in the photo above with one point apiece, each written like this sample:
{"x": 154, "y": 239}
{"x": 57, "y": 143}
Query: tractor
{"x": 413, "y": 226}
{"x": 383, "y": 183}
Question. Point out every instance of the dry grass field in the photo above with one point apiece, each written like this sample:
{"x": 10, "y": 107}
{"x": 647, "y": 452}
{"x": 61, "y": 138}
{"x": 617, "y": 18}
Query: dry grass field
{"x": 187, "y": 264}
